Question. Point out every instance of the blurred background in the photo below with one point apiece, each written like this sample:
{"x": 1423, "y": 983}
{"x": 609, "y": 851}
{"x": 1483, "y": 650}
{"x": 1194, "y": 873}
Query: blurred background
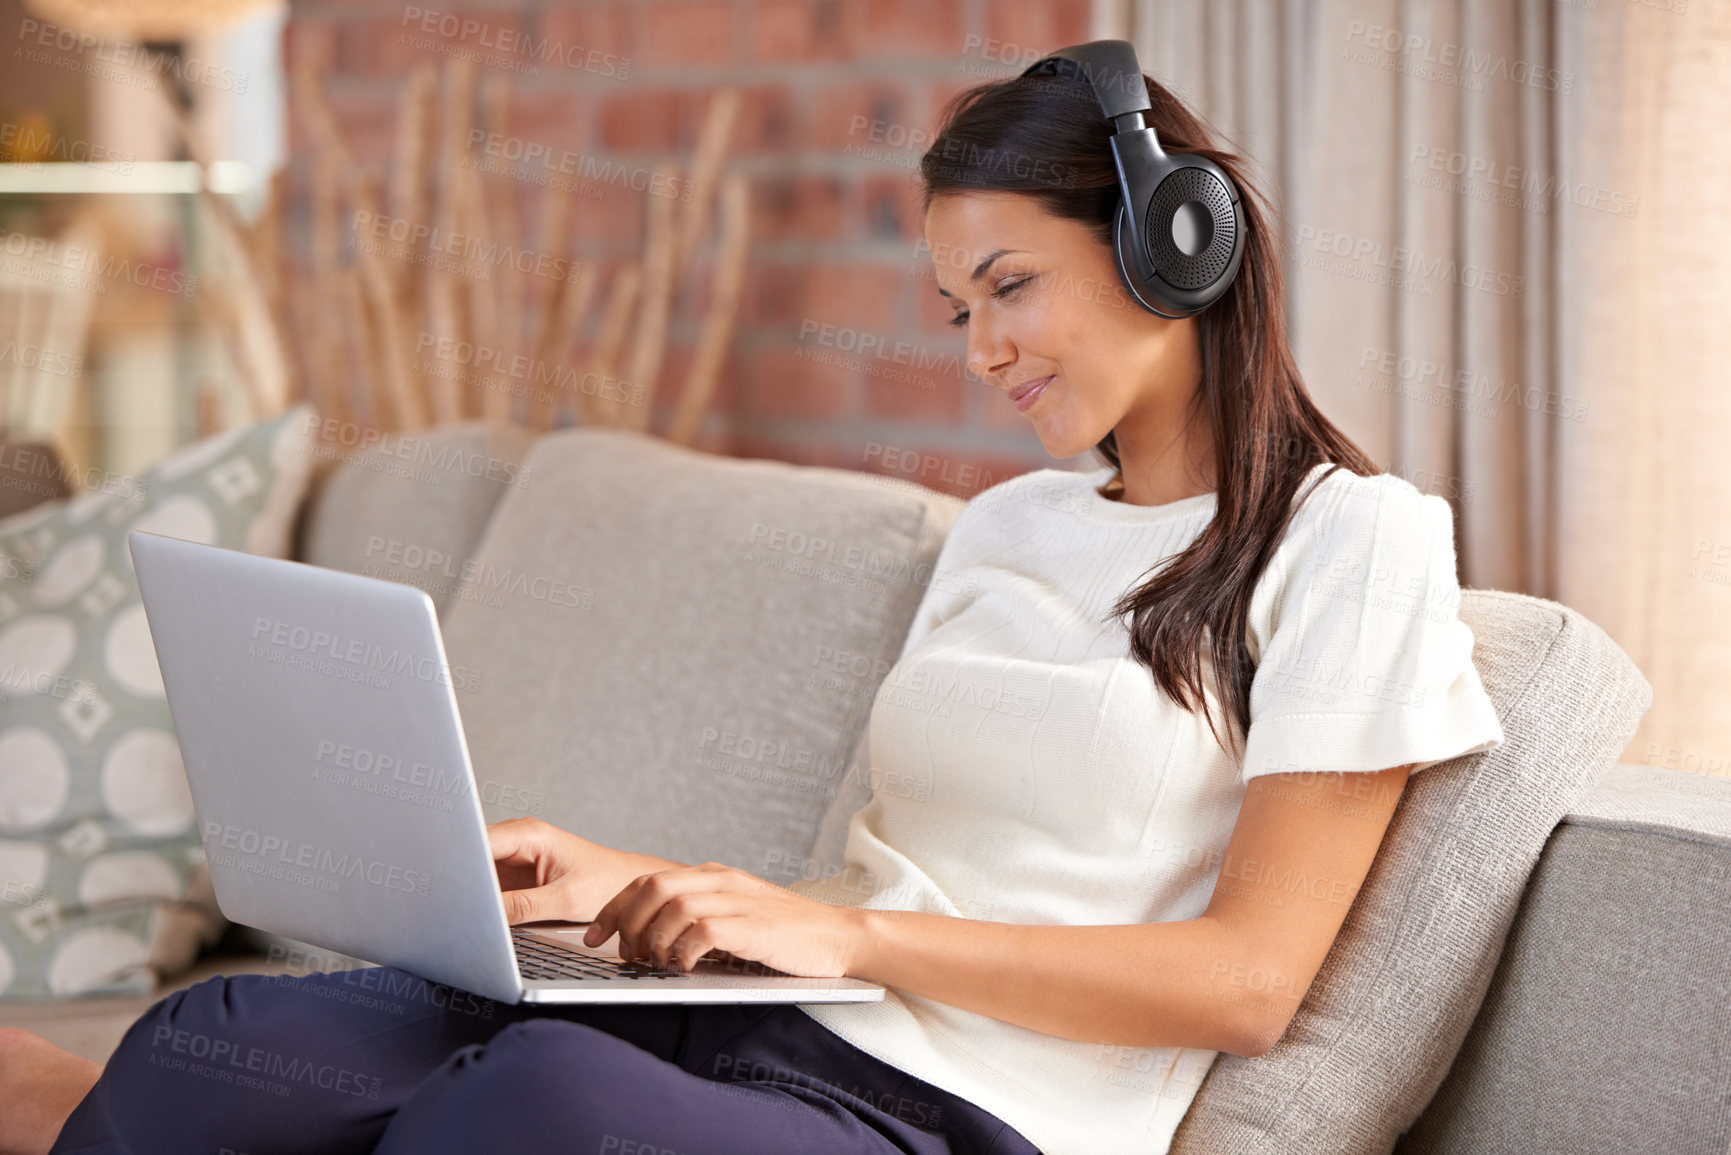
{"x": 1509, "y": 249}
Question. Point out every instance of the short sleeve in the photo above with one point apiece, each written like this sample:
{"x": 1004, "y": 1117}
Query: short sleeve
{"x": 1363, "y": 662}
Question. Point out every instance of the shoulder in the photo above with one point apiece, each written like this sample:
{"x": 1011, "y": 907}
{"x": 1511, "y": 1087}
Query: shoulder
{"x": 1357, "y": 545}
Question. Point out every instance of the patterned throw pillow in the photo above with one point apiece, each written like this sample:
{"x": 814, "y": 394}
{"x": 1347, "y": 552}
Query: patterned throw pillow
{"x": 98, "y": 847}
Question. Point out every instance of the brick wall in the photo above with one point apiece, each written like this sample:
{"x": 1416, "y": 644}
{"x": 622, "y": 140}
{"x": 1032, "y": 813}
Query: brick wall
{"x": 839, "y": 98}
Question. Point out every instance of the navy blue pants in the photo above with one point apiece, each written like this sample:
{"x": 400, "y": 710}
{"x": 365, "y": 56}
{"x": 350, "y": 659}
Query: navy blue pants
{"x": 376, "y": 1060}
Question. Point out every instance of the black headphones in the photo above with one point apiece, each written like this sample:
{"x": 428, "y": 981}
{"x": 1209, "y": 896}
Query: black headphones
{"x": 1179, "y": 237}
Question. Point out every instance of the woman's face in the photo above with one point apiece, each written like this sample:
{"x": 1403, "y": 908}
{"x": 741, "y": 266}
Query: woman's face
{"x": 1053, "y": 305}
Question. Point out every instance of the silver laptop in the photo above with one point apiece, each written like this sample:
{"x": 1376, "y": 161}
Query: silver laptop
{"x": 318, "y": 722}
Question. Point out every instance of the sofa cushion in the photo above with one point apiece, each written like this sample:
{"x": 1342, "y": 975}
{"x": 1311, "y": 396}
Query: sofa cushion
{"x": 1608, "y": 1024}
{"x": 102, "y": 886}
{"x": 410, "y": 508}
{"x": 685, "y": 646}
{"x": 1380, "y": 1025}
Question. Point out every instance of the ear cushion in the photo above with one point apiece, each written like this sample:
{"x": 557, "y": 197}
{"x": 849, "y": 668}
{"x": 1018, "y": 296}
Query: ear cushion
{"x": 1201, "y": 201}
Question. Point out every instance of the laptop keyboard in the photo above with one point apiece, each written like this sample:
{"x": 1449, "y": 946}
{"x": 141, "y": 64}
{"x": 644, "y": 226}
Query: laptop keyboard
{"x": 539, "y": 959}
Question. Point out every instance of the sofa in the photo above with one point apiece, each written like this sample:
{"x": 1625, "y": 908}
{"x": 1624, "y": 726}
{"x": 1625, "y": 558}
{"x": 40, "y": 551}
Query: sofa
{"x": 676, "y": 653}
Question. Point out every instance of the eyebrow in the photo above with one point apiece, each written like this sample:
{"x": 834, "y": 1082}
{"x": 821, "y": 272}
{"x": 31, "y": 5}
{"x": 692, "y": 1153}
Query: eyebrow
{"x": 980, "y": 269}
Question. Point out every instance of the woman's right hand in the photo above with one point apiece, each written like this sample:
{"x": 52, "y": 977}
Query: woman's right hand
{"x": 549, "y": 873}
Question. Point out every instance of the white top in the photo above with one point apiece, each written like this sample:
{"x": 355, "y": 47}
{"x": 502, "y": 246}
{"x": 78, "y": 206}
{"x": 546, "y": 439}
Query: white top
{"x": 1026, "y": 769}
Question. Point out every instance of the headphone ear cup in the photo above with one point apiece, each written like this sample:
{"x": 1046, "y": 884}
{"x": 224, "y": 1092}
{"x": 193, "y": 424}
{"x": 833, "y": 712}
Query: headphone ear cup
{"x": 1142, "y": 291}
{"x": 1194, "y": 233}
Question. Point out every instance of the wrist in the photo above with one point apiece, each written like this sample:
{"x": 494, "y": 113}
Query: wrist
{"x": 864, "y": 934}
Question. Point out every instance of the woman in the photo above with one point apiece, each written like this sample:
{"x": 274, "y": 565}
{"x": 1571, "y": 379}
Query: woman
{"x": 1077, "y": 890}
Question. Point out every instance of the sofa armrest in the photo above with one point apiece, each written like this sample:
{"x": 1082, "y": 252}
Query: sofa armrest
{"x": 1607, "y": 1026}
{"x": 1677, "y": 803}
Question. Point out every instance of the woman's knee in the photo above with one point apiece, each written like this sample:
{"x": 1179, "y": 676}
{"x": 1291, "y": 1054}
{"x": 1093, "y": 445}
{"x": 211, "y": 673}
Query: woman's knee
{"x": 180, "y": 1014}
{"x": 580, "y": 1056}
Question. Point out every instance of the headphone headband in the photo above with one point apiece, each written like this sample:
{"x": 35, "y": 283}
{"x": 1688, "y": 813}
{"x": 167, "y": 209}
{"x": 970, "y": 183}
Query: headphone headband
{"x": 1109, "y": 66}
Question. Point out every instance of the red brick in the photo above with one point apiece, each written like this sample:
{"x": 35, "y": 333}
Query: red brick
{"x": 938, "y": 98}
{"x": 368, "y": 124}
{"x": 314, "y": 41}
{"x": 546, "y": 116}
{"x": 1026, "y": 32}
{"x": 383, "y": 8}
{"x": 754, "y": 447}
{"x": 610, "y": 225}
{"x": 993, "y": 468}
{"x": 852, "y": 297}
{"x": 769, "y": 121}
{"x": 389, "y": 44}
{"x": 952, "y": 471}
{"x": 682, "y": 33}
{"x": 794, "y": 207}
{"x": 797, "y": 31}
{"x": 870, "y": 113}
{"x": 906, "y": 28}
{"x": 910, "y": 382}
{"x": 641, "y": 120}
{"x": 777, "y": 382}
{"x": 573, "y": 31}
{"x": 890, "y": 208}
{"x": 932, "y": 313}
{"x": 724, "y": 401}
{"x": 771, "y": 296}
{"x": 837, "y": 455}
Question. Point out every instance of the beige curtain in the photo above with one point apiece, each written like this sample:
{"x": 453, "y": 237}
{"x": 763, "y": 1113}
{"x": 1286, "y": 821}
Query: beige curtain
{"x": 1509, "y": 235}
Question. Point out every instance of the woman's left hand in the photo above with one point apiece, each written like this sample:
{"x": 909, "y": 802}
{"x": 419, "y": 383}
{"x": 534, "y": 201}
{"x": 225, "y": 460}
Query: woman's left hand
{"x": 675, "y": 917}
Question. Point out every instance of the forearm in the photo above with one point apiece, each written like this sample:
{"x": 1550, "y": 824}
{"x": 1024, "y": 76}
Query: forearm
{"x": 1165, "y": 984}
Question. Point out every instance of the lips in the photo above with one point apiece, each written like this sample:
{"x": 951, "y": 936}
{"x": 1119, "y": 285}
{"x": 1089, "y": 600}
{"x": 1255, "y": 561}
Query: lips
{"x": 1028, "y": 392}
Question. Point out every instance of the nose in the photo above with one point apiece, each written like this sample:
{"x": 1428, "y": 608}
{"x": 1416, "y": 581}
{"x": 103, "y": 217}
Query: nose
{"x": 988, "y": 356}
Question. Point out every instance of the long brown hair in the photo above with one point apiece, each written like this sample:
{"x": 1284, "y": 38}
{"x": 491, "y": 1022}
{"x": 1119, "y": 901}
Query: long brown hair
{"x": 1046, "y": 137}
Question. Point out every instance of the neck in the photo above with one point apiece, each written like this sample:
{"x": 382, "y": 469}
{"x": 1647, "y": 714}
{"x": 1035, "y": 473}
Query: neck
{"x": 1166, "y": 467}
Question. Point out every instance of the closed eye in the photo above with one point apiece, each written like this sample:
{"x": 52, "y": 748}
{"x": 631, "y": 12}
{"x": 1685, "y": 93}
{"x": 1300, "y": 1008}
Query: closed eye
{"x": 1000, "y": 293}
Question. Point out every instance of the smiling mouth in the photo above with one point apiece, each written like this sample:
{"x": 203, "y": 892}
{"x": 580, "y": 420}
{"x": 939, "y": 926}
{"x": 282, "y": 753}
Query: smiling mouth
{"x": 1027, "y": 396}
